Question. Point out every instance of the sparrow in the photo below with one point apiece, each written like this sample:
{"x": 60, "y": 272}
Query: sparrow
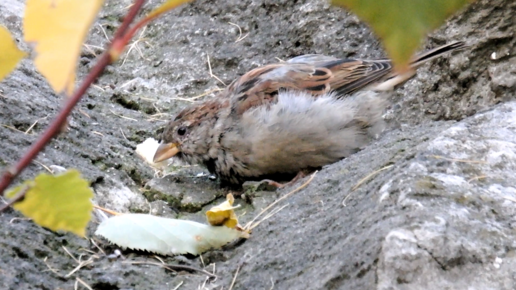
{"x": 287, "y": 117}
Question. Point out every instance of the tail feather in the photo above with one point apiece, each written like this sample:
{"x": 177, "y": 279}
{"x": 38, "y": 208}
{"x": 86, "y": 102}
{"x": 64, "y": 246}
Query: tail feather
{"x": 352, "y": 75}
{"x": 436, "y": 52}
{"x": 396, "y": 79}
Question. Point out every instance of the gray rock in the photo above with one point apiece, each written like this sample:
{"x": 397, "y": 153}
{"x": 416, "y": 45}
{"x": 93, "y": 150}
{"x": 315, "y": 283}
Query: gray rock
{"x": 459, "y": 198}
{"x": 429, "y": 205}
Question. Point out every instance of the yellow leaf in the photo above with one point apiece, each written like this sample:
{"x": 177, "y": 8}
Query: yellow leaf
{"x": 223, "y": 214}
{"x": 60, "y": 202}
{"x": 10, "y": 55}
{"x": 401, "y": 24}
{"x": 58, "y": 28}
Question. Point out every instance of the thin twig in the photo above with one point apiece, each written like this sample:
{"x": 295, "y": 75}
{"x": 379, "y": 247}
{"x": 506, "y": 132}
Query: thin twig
{"x": 84, "y": 113}
{"x": 269, "y": 215}
{"x": 250, "y": 225}
{"x": 363, "y": 180}
{"x": 509, "y": 198}
{"x": 19, "y": 219}
{"x": 33, "y": 124}
{"x": 239, "y": 30}
{"x": 240, "y": 38}
{"x": 106, "y": 210}
{"x": 135, "y": 45}
{"x": 477, "y": 178}
{"x": 70, "y": 254}
{"x": 192, "y": 99}
{"x": 82, "y": 264}
{"x": 157, "y": 109}
{"x": 97, "y": 133}
{"x": 172, "y": 268}
{"x": 234, "y": 278}
{"x": 202, "y": 262}
{"x": 129, "y": 82}
{"x": 12, "y": 128}
{"x": 97, "y": 246}
{"x": 159, "y": 259}
{"x": 203, "y": 286}
{"x": 104, "y": 32}
{"x": 83, "y": 283}
{"x": 88, "y": 48}
{"x": 458, "y": 160}
{"x": 44, "y": 166}
{"x": 123, "y": 117}
{"x": 98, "y": 87}
{"x": 121, "y": 131}
{"x": 178, "y": 285}
{"x": 214, "y": 268}
{"x": 50, "y": 267}
{"x": 211, "y": 73}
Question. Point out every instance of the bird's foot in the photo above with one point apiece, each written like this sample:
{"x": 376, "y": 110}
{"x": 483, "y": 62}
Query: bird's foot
{"x": 301, "y": 174}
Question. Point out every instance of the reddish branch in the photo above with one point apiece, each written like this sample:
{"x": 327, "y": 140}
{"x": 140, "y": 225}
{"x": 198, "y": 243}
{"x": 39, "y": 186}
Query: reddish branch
{"x": 109, "y": 56}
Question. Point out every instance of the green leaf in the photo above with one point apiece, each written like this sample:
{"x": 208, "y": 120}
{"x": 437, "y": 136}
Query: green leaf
{"x": 10, "y": 55}
{"x": 57, "y": 202}
{"x": 165, "y": 236}
{"x": 401, "y": 24}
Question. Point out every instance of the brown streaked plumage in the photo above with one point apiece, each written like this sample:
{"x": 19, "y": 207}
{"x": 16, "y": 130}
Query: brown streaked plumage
{"x": 287, "y": 117}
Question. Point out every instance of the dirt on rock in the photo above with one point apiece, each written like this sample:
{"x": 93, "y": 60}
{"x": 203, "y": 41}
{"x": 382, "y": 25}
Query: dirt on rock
{"x": 434, "y": 205}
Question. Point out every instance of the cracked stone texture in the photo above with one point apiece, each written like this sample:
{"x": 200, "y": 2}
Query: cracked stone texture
{"x": 441, "y": 217}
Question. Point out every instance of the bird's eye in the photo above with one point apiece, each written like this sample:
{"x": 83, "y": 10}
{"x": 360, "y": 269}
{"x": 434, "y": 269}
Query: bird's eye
{"x": 181, "y": 131}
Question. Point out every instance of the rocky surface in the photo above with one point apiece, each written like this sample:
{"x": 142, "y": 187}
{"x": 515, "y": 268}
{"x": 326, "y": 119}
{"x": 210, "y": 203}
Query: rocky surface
{"x": 437, "y": 211}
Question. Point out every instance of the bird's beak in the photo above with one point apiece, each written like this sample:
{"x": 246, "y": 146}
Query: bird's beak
{"x": 165, "y": 151}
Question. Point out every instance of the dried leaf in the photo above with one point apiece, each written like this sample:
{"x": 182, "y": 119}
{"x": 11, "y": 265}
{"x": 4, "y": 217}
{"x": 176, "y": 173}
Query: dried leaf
{"x": 165, "y": 236}
{"x": 223, "y": 214}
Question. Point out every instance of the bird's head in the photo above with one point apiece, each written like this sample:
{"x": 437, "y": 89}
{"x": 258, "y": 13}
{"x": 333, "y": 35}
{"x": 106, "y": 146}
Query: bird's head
{"x": 189, "y": 134}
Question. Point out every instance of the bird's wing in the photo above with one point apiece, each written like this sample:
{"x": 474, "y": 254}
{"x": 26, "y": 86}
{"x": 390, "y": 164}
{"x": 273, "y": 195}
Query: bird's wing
{"x": 315, "y": 74}
{"x": 351, "y": 75}
{"x": 260, "y": 86}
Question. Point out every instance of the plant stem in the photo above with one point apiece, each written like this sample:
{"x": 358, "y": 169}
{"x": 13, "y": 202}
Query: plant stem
{"x": 54, "y": 128}
{"x": 19, "y": 196}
